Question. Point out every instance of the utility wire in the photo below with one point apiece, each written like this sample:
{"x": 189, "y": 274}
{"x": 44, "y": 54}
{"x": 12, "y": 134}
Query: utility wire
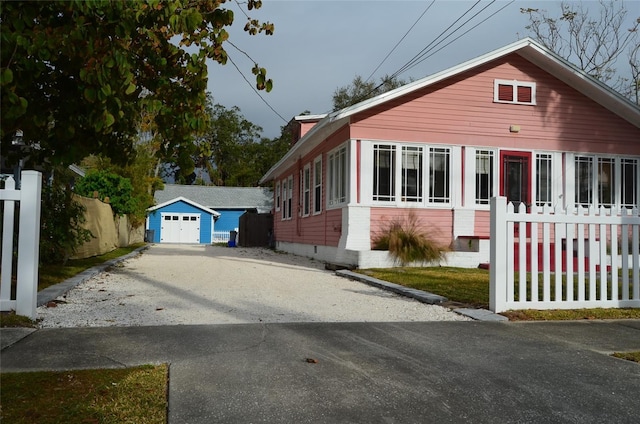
{"x": 243, "y": 76}
{"x": 254, "y": 89}
{"x": 461, "y": 35}
{"x": 417, "y": 56}
{"x": 426, "y": 52}
{"x": 401, "y": 39}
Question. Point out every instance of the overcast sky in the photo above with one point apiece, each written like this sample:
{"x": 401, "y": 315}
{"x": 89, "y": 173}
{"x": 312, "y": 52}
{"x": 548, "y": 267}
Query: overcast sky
{"x": 320, "y": 45}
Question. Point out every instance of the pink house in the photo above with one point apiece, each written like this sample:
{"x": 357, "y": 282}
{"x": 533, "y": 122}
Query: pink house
{"x": 518, "y": 122}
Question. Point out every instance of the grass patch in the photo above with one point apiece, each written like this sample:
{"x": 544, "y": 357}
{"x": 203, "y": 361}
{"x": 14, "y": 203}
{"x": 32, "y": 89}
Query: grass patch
{"x": 464, "y": 285}
{"x": 572, "y": 314}
{"x": 470, "y": 286}
{"x": 50, "y": 275}
{"x": 130, "y": 395}
{"x": 629, "y": 356}
{"x": 10, "y": 319}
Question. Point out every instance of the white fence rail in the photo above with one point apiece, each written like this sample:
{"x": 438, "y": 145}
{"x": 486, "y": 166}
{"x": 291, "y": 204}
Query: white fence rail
{"x": 583, "y": 258}
{"x": 28, "y": 244}
{"x": 221, "y": 236}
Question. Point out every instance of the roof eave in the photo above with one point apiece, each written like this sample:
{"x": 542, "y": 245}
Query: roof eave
{"x": 319, "y": 132}
{"x": 183, "y": 199}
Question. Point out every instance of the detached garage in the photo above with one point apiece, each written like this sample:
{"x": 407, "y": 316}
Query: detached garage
{"x": 181, "y": 220}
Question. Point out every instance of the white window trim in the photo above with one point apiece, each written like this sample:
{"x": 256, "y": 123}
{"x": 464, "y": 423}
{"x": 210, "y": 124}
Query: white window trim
{"x": 277, "y": 193}
{"x": 290, "y": 197}
{"x": 305, "y": 181}
{"x": 317, "y": 161}
{"x": 287, "y": 198}
{"x": 330, "y": 190}
{"x": 284, "y": 199}
{"x": 570, "y": 178}
{"x": 455, "y": 174}
{"x": 514, "y": 84}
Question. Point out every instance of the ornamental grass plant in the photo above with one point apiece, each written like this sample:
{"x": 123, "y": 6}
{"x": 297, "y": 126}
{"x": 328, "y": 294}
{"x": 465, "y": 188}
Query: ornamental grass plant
{"x": 407, "y": 241}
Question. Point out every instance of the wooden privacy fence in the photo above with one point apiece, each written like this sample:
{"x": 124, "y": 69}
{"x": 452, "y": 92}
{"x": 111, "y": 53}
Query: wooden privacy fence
{"x": 26, "y": 289}
{"x": 558, "y": 259}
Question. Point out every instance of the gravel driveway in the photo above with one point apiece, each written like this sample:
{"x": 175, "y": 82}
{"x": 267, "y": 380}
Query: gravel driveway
{"x": 202, "y": 284}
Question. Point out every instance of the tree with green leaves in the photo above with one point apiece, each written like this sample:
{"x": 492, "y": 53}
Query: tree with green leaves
{"x": 77, "y": 76}
{"x": 109, "y": 186}
{"x": 61, "y": 220}
{"x": 360, "y": 90}
{"x": 600, "y": 43}
{"x": 228, "y": 149}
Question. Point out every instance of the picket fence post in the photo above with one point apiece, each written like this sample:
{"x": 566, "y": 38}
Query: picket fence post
{"x": 29, "y": 196}
{"x": 7, "y": 243}
{"x": 498, "y": 255}
{"x": 29, "y": 244}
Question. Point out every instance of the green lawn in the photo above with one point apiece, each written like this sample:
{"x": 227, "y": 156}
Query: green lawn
{"x": 470, "y": 286}
{"x": 54, "y": 274}
{"x": 125, "y": 395}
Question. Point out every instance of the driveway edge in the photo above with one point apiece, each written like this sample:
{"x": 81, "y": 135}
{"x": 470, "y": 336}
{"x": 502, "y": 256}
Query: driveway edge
{"x": 52, "y": 292}
{"x": 420, "y": 295}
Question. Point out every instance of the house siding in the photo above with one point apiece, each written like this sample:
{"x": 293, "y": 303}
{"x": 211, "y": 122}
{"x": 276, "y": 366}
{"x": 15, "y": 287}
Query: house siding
{"x": 457, "y": 112}
{"x": 324, "y": 228}
{"x": 461, "y": 111}
{"x": 229, "y": 220}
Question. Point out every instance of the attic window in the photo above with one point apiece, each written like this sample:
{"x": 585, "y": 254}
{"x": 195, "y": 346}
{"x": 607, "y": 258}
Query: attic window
{"x": 516, "y": 92}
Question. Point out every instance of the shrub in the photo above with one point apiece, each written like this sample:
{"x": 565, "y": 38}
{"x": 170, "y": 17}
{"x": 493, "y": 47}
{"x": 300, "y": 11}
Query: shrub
{"x": 61, "y": 231}
{"x": 108, "y": 184}
{"x": 407, "y": 242}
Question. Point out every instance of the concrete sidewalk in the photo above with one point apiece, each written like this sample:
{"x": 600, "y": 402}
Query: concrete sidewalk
{"x": 366, "y": 372}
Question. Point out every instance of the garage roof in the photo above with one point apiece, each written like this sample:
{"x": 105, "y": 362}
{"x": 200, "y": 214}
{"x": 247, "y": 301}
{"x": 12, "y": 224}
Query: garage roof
{"x": 215, "y": 197}
{"x": 182, "y": 199}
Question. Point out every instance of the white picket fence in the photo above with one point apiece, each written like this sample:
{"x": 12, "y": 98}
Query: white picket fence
{"x": 555, "y": 259}
{"x": 29, "y": 195}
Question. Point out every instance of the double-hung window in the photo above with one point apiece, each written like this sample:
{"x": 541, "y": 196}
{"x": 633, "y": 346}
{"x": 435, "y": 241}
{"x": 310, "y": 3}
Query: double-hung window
{"x": 306, "y": 190}
{"x": 583, "y": 180}
{"x": 606, "y": 183}
{"x": 484, "y": 176}
{"x": 287, "y": 194}
{"x": 439, "y": 176}
{"x": 630, "y": 179}
{"x": 544, "y": 178}
{"x": 277, "y": 190}
{"x": 412, "y": 180}
{"x": 337, "y": 176}
{"x": 410, "y": 173}
{"x": 317, "y": 185}
{"x": 596, "y": 181}
{"x": 284, "y": 199}
{"x": 384, "y": 178}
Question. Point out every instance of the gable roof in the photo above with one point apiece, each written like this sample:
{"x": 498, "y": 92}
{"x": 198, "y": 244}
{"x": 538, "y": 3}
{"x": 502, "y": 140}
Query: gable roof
{"x": 527, "y": 48}
{"x": 182, "y": 199}
{"x": 219, "y": 197}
